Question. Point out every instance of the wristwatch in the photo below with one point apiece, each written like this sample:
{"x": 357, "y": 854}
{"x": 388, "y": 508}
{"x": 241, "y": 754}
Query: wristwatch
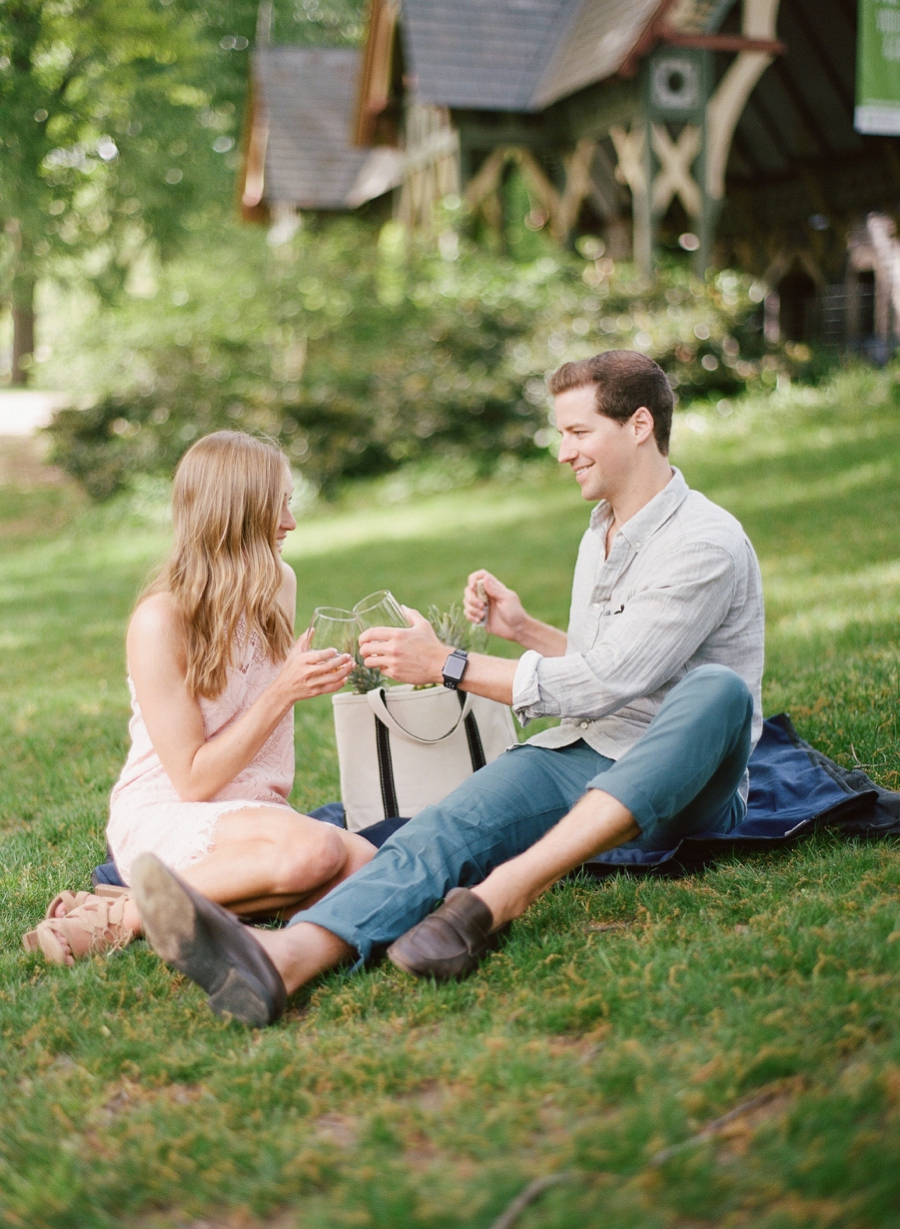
{"x": 455, "y": 668}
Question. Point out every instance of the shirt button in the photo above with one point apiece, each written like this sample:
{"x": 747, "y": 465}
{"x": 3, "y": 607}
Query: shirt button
{"x": 584, "y": 725}
{"x": 595, "y": 605}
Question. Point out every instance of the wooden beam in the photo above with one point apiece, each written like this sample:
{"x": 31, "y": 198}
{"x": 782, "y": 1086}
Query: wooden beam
{"x": 591, "y": 111}
{"x": 479, "y": 130}
{"x": 721, "y": 42}
{"x": 727, "y": 103}
{"x": 724, "y": 110}
{"x": 375, "y": 78}
{"x": 253, "y": 171}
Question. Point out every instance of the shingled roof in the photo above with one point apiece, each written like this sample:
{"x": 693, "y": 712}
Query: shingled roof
{"x": 307, "y": 96}
{"x": 516, "y": 55}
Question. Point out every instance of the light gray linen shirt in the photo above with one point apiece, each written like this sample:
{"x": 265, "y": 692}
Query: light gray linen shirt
{"x": 681, "y": 588}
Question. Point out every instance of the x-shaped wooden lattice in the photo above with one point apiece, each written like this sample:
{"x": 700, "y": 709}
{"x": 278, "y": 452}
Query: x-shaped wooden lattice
{"x": 676, "y": 159}
{"x": 630, "y": 154}
{"x": 560, "y": 207}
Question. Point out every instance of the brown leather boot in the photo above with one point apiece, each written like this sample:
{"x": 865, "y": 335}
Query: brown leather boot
{"x": 450, "y": 944}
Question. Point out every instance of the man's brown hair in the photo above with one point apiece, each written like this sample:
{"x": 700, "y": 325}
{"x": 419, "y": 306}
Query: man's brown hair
{"x": 624, "y": 381}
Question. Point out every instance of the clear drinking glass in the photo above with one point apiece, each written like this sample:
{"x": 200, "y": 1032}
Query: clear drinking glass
{"x": 334, "y": 628}
{"x": 380, "y": 609}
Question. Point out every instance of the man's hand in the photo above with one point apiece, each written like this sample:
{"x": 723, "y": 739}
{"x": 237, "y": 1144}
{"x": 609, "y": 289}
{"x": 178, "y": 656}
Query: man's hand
{"x": 407, "y": 654}
{"x": 506, "y": 615}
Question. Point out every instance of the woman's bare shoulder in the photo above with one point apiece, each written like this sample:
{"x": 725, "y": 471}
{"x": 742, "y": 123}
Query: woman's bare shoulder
{"x": 155, "y": 616}
{"x": 288, "y": 593}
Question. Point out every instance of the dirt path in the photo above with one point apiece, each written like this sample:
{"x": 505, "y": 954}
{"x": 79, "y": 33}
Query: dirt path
{"x": 23, "y": 448}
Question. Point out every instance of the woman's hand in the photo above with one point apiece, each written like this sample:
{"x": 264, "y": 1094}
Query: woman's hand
{"x": 506, "y": 616}
{"x": 314, "y": 672}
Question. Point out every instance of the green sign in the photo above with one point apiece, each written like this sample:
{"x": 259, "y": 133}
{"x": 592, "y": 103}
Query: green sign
{"x": 878, "y": 68}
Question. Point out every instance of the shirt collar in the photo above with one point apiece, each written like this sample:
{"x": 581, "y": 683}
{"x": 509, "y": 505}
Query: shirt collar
{"x": 651, "y": 517}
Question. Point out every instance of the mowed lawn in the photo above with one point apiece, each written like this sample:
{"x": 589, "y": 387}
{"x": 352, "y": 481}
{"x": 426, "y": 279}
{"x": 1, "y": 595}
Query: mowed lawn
{"x": 620, "y": 1020}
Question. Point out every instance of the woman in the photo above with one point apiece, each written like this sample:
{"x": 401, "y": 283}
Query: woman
{"x": 214, "y": 675}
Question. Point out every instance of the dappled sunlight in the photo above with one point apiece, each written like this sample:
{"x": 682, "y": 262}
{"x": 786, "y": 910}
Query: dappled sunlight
{"x": 781, "y": 492}
{"x": 478, "y": 509}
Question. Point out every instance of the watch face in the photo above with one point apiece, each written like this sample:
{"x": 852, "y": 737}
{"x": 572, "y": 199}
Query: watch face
{"x": 455, "y": 667}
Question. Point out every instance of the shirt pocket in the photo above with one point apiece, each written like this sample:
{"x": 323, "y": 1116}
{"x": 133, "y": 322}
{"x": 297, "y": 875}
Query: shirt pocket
{"x": 603, "y": 615}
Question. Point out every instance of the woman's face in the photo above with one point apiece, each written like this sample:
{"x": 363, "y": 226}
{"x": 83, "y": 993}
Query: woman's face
{"x": 286, "y": 522}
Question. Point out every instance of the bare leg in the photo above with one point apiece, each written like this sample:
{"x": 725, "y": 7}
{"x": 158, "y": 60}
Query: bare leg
{"x": 262, "y": 853}
{"x": 302, "y": 952}
{"x": 269, "y": 860}
{"x": 358, "y": 850}
{"x": 597, "y": 822}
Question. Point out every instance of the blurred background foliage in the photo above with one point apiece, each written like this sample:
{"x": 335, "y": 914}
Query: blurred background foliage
{"x": 166, "y": 318}
{"x": 360, "y": 354}
{"x": 120, "y": 123}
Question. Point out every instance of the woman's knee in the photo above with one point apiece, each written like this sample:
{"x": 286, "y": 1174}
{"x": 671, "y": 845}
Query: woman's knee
{"x": 309, "y": 859}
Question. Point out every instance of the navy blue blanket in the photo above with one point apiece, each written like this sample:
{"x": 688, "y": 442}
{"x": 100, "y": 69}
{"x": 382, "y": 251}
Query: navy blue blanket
{"x": 794, "y": 790}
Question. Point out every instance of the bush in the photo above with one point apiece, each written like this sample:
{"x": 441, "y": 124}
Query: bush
{"x": 359, "y": 355}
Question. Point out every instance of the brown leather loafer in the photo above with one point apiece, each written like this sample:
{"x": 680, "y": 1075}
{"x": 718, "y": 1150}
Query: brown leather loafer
{"x": 450, "y": 944}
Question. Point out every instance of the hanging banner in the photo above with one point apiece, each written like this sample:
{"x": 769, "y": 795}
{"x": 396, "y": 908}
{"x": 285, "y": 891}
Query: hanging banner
{"x": 878, "y": 68}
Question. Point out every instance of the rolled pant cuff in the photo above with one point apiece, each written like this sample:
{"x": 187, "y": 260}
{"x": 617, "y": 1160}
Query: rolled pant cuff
{"x": 337, "y": 926}
{"x": 631, "y": 798}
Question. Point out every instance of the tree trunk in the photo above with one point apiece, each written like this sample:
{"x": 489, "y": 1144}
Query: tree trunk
{"x": 23, "y": 328}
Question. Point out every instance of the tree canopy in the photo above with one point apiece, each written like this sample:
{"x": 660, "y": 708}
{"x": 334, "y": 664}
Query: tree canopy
{"x": 119, "y": 121}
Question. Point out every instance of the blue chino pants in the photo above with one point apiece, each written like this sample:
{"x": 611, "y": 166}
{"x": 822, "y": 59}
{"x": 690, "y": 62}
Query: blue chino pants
{"x": 681, "y": 777}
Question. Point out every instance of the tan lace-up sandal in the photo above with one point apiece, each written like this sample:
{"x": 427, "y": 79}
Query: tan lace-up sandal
{"x": 69, "y": 901}
{"x": 93, "y": 927}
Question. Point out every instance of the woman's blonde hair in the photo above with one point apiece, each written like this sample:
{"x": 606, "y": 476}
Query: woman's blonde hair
{"x": 224, "y": 566}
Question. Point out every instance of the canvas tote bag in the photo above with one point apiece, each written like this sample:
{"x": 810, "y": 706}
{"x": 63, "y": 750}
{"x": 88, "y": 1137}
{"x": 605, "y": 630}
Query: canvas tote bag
{"x": 400, "y": 750}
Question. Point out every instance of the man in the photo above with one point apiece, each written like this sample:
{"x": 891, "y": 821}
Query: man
{"x": 657, "y": 684}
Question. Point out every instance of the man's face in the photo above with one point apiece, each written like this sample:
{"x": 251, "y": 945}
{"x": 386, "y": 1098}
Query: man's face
{"x": 600, "y": 451}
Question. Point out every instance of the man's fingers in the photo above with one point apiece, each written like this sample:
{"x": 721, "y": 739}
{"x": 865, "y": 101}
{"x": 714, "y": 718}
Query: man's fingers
{"x": 372, "y": 637}
{"x": 415, "y": 618}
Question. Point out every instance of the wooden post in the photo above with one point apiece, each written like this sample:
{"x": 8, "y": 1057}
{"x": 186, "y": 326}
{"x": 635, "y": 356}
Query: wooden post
{"x": 676, "y": 88}
{"x": 633, "y": 167}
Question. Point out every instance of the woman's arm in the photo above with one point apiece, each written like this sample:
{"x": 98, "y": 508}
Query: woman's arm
{"x": 198, "y": 768}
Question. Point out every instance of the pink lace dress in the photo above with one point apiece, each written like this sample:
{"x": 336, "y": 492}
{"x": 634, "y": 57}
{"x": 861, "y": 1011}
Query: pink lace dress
{"x": 145, "y": 811}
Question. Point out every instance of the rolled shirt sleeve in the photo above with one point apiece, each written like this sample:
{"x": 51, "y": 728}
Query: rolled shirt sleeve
{"x": 640, "y": 641}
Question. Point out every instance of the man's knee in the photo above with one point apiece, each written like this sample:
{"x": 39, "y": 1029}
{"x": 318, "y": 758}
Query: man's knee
{"x": 721, "y": 688}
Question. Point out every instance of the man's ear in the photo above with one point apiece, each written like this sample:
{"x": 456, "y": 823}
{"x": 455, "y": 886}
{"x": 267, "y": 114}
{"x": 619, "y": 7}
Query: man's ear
{"x": 642, "y": 424}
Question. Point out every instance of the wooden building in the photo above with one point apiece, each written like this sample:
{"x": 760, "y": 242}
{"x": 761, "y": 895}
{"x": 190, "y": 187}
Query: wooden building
{"x": 722, "y": 125}
{"x": 300, "y": 152}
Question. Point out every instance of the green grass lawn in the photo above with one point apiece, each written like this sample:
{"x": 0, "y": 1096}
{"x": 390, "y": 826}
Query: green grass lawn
{"x": 619, "y": 1020}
